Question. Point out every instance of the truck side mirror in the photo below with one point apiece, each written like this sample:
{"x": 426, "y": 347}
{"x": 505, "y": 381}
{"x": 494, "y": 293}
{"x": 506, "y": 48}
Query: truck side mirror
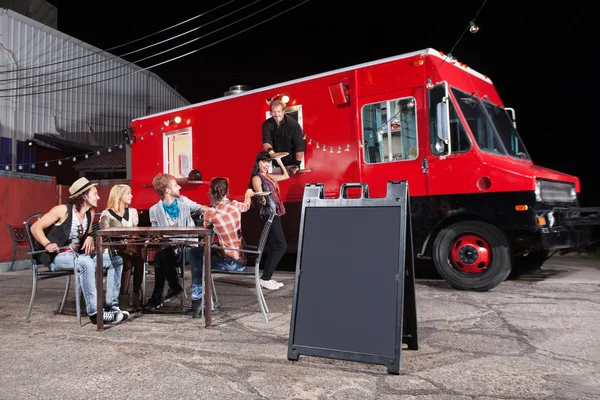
{"x": 443, "y": 127}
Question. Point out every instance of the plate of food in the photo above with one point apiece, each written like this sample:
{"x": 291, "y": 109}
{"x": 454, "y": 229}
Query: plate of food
{"x": 261, "y": 193}
{"x": 280, "y": 154}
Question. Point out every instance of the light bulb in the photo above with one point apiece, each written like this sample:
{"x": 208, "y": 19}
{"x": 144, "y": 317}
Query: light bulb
{"x": 46, "y": 164}
{"x": 473, "y": 28}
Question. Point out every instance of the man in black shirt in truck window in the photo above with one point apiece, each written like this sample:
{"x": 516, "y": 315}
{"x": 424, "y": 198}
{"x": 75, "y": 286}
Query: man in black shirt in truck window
{"x": 282, "y": 133}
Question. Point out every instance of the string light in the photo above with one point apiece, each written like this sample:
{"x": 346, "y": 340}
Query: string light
{"x": 59, "y": 161}
{"x": 473, "y": 28}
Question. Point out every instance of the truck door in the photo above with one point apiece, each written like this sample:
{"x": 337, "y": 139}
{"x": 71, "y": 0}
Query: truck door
{"x": 450, "y": 164}
{"x": 390, "y": 142}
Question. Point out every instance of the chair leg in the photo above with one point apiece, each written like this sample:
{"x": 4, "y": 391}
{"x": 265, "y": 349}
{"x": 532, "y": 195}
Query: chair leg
{"x": 214, "y": 290}
{"x": 14, "y": 260}
{"x": 33, "y": 291}
{"x": 78, "y": 300}
{"x": 144, "y": 283}
{"x": 65, "y": 294}
{"x": 259, "y": 295}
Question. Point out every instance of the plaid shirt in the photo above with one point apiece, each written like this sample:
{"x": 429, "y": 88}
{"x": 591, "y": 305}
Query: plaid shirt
{"x": 226, "y": 220}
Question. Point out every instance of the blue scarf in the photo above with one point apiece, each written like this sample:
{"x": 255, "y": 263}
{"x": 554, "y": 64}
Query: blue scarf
{"x": 172, "y": 210}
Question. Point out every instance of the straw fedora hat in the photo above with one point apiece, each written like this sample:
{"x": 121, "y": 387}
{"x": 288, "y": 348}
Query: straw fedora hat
{"x": 80, "y": 186}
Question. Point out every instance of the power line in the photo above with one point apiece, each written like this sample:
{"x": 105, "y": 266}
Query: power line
{"x": 161, "y": 63}
{"x": 116, "y": 56}
{"x": 471, "y": 23}
{"x": 145, "y": 58}
{"x": 121, "y": 45}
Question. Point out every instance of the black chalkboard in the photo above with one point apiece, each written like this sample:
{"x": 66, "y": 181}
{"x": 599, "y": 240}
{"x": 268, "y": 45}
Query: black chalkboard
{"x": 354, "y": 278}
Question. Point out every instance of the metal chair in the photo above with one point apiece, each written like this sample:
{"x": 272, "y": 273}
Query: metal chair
{"x": 20, "y": 244}
{"x": 39, "y": 273}
{"x": 258, "y": 252}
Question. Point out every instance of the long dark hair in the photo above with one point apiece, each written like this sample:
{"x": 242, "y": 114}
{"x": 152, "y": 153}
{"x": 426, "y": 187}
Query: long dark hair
{"x": 262, "y": 156}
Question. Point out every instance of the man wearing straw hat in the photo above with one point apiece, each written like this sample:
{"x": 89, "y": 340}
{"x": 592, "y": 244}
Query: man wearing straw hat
{"x": 70, "y": 225}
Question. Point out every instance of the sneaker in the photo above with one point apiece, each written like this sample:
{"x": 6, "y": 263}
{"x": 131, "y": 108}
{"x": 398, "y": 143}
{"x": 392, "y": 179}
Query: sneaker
{"x": 173, "y": 292}
{"x": 116, "y": 308}
{"x": 271, "y": 284}
{"x": 153, "y": 302}
{"x": 278, "y": 283}
{"x": 109, "y": 317}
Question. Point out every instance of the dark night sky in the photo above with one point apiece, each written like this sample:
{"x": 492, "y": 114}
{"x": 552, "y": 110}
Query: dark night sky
{"x": 539, "y": 57}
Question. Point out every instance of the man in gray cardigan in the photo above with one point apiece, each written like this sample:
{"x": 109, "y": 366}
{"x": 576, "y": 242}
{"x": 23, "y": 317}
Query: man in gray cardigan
{"x": 171, "y": 210}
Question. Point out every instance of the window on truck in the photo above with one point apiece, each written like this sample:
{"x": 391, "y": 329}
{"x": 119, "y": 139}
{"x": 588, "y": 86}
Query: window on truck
{"x": 481, "y": 126}
{"x": 390, "y": 130}
{"x": 177, "y": 153}
{"x": 459, "y": 140}
{"x": 294, "y": 112}
{"x": 504, "y": 123}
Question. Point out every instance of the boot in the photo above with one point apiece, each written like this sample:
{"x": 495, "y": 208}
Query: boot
{"x": 124, "y": 301}
{"x": 136, "y": 303}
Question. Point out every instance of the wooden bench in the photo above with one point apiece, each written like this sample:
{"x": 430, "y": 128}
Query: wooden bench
{"x": 20, "y": 244}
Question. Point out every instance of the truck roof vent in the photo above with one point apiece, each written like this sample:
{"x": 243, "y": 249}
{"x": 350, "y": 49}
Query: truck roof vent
{"x": 236, "y": 89}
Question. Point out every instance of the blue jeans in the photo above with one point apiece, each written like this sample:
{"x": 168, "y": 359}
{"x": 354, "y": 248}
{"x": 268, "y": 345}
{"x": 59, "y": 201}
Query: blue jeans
{"x": 86, "y": 266}
{"x": 216, "y": 262}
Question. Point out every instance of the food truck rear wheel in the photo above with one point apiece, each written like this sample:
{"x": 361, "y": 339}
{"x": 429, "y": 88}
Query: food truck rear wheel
{"x": 472, "y": 255}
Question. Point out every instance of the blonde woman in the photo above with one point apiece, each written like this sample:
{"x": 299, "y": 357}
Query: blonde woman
{"x": 118, "y": 213}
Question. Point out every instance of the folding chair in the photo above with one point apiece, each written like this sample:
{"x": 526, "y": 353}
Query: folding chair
{"x": 258, "y": 252}
{"x": 39, "y": 272}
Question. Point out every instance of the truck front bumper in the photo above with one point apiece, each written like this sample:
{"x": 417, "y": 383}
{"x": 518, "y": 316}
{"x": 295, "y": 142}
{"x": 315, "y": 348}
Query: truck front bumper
{"x": 569, "y": 228}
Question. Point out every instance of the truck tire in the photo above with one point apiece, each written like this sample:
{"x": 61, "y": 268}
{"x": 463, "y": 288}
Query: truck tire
{"x": 472, "y": 255}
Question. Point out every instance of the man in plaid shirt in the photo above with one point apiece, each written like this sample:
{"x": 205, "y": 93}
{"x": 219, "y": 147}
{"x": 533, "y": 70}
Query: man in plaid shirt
{"x": 225, "y": 218}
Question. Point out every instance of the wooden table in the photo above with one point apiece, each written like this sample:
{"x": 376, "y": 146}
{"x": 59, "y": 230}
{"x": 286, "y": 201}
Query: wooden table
{"x": 143, "y": 236}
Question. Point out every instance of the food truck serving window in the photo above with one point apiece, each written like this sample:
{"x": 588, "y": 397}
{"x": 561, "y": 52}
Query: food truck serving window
{"x": 178, "y": 152}
{"x": 390, "y": 130}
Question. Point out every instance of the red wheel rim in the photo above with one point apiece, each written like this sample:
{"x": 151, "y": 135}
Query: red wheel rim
{"x": 470, "y": 254}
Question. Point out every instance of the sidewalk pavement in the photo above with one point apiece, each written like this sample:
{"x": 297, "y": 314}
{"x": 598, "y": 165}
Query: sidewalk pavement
{"x": 535, "y": 338}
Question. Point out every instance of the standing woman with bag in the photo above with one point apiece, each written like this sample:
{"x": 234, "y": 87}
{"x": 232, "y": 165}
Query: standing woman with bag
{"x": 262, "y": 181}
{"x": 118, "y": 213}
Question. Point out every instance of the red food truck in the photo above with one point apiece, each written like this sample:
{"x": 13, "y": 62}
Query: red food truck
{"x": 480, "y": 206}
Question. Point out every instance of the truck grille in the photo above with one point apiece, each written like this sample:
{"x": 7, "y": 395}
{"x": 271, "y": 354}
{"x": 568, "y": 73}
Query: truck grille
{"x": 555, "y": 192}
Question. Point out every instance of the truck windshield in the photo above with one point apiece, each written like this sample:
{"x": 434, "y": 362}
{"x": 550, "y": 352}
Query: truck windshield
{"x": 491, "y": 126}
{"x": 507, "y": 131}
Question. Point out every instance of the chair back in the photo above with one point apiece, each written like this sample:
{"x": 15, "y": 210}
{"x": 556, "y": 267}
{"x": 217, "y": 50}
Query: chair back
{"x": 34, "y": 245}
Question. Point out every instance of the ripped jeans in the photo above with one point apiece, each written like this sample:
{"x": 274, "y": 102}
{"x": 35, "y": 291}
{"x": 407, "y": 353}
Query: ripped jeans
{"x": 86, "y": 266}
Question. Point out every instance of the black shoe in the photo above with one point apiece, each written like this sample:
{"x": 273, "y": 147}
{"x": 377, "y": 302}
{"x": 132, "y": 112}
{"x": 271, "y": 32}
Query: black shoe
{"x": 173, "y": 292}
{"x": 153, "y": 302}
{"x": 195, "y": 310}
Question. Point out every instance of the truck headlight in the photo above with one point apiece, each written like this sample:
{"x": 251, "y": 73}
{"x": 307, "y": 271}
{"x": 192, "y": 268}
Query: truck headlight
{"x": 538, "y": 191}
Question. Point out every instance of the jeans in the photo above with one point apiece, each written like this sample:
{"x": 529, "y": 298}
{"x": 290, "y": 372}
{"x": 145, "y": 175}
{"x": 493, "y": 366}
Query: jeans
{"x": 86, "y": 266}
{"x": 166, "y": 261}
{"x": 216, "y": 262}
{"x": 277, "y": 248}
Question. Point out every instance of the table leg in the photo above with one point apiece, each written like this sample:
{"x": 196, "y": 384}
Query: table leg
{"x": 99, "y": 285}
{"x": 207, "y": 286}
